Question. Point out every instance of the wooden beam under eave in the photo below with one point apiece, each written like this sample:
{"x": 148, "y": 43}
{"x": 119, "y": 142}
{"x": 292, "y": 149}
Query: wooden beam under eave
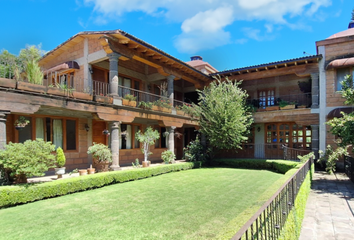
{"x": 141, "y": 50}
{"x": 133, "y": 46}
{"x": 115, "y": 118}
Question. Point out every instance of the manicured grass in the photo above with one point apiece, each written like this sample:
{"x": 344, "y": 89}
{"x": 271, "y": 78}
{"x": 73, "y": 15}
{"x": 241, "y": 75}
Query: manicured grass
{"x": 193, "y": 204}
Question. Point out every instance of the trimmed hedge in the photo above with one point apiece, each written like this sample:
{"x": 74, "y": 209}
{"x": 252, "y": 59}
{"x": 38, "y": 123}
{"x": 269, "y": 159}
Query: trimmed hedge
{"x": 281, "y": 166}
{"x": 13, "y": 195}
{"x": 292, "y": 227}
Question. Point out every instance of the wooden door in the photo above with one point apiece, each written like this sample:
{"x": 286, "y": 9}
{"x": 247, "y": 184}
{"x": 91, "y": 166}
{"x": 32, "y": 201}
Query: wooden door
{"x": 97, "y": 129}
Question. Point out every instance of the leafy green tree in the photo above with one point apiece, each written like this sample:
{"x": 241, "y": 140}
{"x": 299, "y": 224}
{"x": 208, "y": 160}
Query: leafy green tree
{"x": 23, "y": 160}
{"x": 223, "y": 115}
{"x": 11, "y": 65}
{"x": 147, "y": 138}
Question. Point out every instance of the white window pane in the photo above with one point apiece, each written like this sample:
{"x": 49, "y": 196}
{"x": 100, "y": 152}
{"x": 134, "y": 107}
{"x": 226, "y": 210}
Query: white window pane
{"x": 57, "y": 133}
{"x": 39, "y": 128}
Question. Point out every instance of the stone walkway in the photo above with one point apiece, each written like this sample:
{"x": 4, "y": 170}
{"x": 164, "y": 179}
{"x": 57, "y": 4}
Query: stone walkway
{"x": 330, "y": 208}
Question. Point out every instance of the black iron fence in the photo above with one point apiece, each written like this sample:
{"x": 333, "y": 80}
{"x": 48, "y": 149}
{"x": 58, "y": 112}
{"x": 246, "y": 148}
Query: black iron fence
{"x": 299, "y": 100}
{"x": 269, "y": 220}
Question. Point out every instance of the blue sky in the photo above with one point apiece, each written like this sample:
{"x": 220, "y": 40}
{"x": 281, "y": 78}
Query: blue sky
{"x": 226, "y": 33}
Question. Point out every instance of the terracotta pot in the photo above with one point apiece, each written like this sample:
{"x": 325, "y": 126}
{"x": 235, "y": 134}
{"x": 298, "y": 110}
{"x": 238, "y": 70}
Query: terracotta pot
{"x": 104, "y": 99}
{"x": 56, "y": 91}
{"x": 179, "y": 112}
{"x": 292, "y": 106}
{"x": 20, "y": 178}
{"x": 83, "y": 172}
{"x": 31, "y": 87}
{"x": 82, "y": 95}
{"x": 128, "y": 103}
{"x": 91, "y": 170}
{"x": 8, "y": 83}
{"x": 101, "y": 166}
{"x": 155, "y": 108}
{"x": 146, "y": 163}
{"x": 272, "y": 108}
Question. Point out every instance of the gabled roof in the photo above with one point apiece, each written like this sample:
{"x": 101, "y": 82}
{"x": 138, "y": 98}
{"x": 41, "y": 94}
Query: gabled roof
{"x": 122, "y": 36}
{"x": 272, "y": 65}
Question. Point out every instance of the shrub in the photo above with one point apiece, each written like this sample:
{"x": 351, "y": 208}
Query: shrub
{"x": 60, "y": 158}
{"x": 130, "y": 97}
{"x": 31, "y": 158}
{"x": 163, "y": 102}
{"x": 281, "y": 166}
{"x": 34, "y": 73}
{"x": 100, "y": 152}
{"x": 145, "y": 105}
{"x": 195, "y": 152}
{"x": 168, "y": 156}
{"x": 14, "y": 195}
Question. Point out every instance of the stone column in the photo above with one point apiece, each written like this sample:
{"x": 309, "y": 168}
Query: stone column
{"x": 171, "y": 139}
{"x": 315, "y": 90}
{"x": 115, "y": 145}
{"x": 170, "y": 88}
{"x": 113, "y": 73}
{"x": 3, "y": 129}
{"x": 315, "y": 139}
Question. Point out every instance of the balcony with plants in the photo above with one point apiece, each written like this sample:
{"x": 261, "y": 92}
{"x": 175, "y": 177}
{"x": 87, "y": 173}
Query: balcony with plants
{"x": 152, "y": 102}
{"x": 282, "y": 102}
{"x": 32, "y": 79}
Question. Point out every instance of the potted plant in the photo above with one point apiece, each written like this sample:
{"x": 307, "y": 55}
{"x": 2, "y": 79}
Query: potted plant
{"x": 91, "y": 170}
{"x": 102, "y": 156}
{"x": 148, "y": 138}
{"x": 129, "y": 100}
{"x": 21, "y": 122}
{"x": 145, "y": 105}
{"x": 284, "y": 105}
{"x": 60, "y": 162}
{"x": 168, "y": 156}
{"x": 163, "y": 105}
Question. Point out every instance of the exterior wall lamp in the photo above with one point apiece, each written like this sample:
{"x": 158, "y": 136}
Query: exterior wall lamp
{"x": 87, "y": 127}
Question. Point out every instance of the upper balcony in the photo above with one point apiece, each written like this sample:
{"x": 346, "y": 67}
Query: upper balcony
{"x": 63, "y": 85}
{"x": 282, "y": 102}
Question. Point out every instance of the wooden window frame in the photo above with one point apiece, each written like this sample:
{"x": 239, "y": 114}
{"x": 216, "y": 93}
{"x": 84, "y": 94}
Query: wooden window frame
{"x": 351, "y": 72}
{"x": 266, "y": 97}
{"x": 133, "y": 136}
{"x": 159, "y": 129}
{"x": 291, "y": 135}
{"x": 33, "y": 121}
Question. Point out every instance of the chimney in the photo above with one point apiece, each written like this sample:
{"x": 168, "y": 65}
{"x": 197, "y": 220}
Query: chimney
{"x": 195, "y": 58}
{"x": 351, "y": 24}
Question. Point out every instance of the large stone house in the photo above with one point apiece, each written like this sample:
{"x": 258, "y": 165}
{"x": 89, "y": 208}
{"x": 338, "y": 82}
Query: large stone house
{"x": 88, "y": 77}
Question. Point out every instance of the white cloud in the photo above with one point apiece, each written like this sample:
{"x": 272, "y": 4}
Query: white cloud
{"x": 201, "y": 18}
{"x": 205, "y": 30}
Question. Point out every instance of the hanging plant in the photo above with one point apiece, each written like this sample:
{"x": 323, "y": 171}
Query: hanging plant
{"x": 21, "y": 122}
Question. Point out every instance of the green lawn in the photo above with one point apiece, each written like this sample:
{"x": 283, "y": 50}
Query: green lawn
{"x": 193, "y": 204}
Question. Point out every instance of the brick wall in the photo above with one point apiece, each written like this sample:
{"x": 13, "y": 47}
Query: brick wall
{"x": 339, "y": 49}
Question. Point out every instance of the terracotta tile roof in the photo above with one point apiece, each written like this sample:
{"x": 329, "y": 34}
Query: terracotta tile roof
{"x": 312, "y": 57}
